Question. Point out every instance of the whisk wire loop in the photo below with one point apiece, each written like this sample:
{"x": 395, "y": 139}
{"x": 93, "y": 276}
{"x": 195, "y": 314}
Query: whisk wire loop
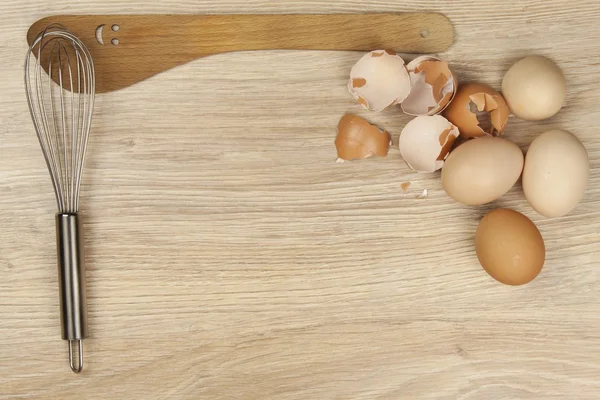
{"x": 60, "y": 82}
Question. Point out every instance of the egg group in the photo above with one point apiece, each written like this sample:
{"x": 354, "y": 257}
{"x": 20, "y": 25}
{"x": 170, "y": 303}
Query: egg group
{"x": 457, "y": 129}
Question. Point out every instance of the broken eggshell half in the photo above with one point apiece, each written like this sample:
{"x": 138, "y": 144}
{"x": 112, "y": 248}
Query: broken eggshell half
{"x": 478, "y": 110}
{"x": 426, "y": 141}
{"x": 433, "y": 86}
{"x": 379, "y": 80}
{"x": 357, "y": 139}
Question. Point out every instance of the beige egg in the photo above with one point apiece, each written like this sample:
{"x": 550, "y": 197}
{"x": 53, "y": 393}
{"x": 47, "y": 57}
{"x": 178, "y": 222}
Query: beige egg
{"x": 509, "y": 247}
{"x": 556, "y": 173}
{"x": 481, "y": 170}
{"x": 534, "y": 88}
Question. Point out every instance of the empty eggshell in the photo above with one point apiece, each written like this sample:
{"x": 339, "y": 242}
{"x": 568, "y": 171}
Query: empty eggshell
{"x": 357, "y": 139}
{"x": 477, "y": 110}
{"x": 426, "y": 141}
{"x": 433, "y": 86}
{"x": 379, "y": 80}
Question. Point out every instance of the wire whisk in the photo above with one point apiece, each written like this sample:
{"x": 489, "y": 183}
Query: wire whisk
{"x": 60, "y": 88}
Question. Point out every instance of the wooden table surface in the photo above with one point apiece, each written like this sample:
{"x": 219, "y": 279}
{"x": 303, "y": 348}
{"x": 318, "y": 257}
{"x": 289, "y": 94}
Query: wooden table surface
{"x": 230, "y": 257}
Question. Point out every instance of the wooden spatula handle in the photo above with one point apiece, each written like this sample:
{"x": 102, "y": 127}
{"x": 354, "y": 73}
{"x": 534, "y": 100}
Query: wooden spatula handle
{"x": 219, "y": 33}
{"x": 129, "y": 48}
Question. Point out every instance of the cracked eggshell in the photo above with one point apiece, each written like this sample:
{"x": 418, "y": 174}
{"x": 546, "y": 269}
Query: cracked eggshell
{"x": 357, "y": 139}
{"x": 477, "y": 110}
{"x": 426, "y": 141}
{"x": 433, "y": 86}
{"x": 379, "y": 80}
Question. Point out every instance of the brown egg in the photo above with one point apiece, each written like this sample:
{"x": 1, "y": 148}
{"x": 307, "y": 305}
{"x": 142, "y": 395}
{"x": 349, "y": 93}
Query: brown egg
{"x": 509, "y": 247}
{"x": 477, "y": 110}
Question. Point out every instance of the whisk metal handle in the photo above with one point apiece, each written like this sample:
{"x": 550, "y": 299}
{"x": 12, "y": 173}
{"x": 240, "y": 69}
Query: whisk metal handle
{"x": 71, "y": 280}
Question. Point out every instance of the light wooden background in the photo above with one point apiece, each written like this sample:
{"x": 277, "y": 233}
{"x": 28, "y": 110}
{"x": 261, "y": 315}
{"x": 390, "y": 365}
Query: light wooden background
{"x": 230, "y": 257}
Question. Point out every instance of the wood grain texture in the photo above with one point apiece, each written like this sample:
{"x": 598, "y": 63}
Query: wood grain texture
{"x": 230, "y": 257}
{"x": 149, "y": 44}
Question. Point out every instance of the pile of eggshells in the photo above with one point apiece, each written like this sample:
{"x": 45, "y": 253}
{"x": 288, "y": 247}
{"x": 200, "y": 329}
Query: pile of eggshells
{"x": 458, "y": 129}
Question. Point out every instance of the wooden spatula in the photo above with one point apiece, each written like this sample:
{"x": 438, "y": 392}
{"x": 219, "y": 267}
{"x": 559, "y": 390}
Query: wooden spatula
{"x": 130, "y": 48}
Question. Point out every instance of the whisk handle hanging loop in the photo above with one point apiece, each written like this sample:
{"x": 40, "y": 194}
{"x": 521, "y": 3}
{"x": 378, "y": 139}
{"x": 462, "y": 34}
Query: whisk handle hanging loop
{"x": 71, "y": 280}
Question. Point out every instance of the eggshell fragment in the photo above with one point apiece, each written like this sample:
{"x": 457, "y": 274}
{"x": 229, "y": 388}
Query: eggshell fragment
{"x": 426, "y": 141}
{"x": 478, "y": 110}
{"x": 357, "y": 139}
{"x": 379, "y": 80}
{"x": 433, "y": 86}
